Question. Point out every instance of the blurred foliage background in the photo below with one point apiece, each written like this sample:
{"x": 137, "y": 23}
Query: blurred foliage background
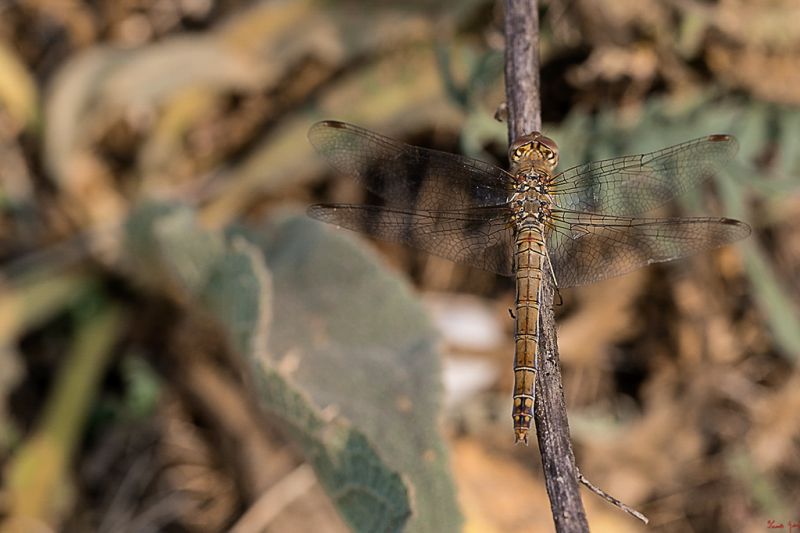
{"x": 182, "y": 350}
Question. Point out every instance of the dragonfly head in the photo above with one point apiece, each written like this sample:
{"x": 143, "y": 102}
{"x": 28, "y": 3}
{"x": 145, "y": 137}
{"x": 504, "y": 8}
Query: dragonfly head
{"x": 535, "y": 150}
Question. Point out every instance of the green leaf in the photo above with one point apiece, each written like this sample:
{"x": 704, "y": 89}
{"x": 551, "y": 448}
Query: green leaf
{"x": 370, "y": 496}
{"x": 229, "y": 280}
{"x": 362, "y": 346}
{"x": 168, "y": 249}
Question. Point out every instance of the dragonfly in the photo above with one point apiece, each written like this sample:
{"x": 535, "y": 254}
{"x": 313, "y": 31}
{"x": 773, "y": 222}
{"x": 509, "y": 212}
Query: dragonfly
{"x": 590, "y": 222}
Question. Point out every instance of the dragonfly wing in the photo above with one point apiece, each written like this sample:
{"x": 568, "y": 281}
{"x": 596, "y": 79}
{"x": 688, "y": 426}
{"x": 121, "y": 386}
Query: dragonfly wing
{"x": 409, "y": 177}
{"x": 585, "y": 247}
{"x": 636, "y": 184}
{"x": 482, "y": 238}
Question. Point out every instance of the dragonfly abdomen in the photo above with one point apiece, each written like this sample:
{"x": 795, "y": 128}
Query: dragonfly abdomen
{"x": 529, "y": 255}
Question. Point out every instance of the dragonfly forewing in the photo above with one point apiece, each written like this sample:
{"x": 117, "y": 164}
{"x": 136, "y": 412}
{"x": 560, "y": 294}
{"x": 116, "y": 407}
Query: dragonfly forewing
{"x": 635, "y": 184}
{"x": 410, "y": 177}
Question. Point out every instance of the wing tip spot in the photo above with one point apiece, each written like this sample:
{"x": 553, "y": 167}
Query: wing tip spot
{"x": 720, "y": 137}
{"x": 332, "y": 124}
{"x": 320, "y": 125}
{"x": 743, "y": 227}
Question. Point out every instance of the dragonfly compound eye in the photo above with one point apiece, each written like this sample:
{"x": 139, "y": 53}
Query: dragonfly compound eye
{"x": 549, "y": 149}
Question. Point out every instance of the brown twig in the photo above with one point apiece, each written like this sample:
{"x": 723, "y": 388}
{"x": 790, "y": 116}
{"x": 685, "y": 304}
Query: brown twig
{"x": 610, "y": 499}
{"x": 550, "y": 414}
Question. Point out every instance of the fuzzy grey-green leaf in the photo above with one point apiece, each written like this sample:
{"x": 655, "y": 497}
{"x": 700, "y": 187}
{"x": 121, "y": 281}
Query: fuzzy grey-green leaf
{"x": 363, "y": 348}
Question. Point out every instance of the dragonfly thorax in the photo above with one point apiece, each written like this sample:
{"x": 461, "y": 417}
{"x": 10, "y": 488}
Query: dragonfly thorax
{"x": 531, "y": 199}
{"x": 532, "y": 179}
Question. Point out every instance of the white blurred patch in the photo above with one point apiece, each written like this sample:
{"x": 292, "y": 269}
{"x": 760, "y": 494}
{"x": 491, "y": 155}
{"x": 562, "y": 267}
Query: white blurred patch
{"x": 466, "y": 323}
{"x": 464, "y": 378}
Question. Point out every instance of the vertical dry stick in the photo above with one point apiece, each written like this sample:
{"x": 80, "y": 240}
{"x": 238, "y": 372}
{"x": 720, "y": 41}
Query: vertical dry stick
{"x": 552, "y": 429}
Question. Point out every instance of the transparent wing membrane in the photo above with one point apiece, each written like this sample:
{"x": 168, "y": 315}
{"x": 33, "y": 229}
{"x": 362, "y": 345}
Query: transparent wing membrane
{"x": 585, "y": 247}
{"x": 636, "y": 184}
{"x": 456, "y": 207}
{"x": 409, "y": 177}
{"x": 482, "y": 238}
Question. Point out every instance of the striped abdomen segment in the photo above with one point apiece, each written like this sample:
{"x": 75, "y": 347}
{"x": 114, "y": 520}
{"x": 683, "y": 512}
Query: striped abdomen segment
{"x": 529, "y": 255}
